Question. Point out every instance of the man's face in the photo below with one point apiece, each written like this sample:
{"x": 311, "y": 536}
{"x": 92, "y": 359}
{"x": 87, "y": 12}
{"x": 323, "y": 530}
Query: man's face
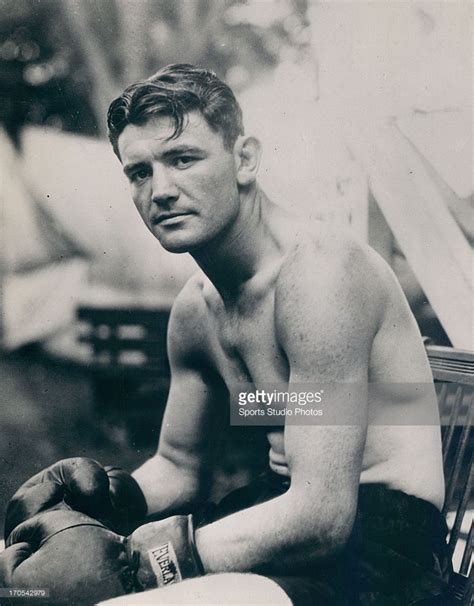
{"x": 185, "y": 189}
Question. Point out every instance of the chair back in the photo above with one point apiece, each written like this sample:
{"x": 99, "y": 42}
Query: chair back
{"x": 453, "y": 372}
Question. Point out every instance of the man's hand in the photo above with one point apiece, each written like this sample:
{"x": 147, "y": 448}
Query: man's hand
{"x": 73, "y": 557}
{"x": 106, "y": 493}
{"x": 79, "y": 560}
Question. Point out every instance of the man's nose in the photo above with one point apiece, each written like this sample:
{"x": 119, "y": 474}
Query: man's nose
{"x": 164, "y": 188}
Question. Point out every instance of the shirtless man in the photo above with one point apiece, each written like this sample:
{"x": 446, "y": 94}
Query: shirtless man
{"x": 347, "y": 513}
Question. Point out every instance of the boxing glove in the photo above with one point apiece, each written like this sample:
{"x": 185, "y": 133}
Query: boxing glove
{"x": 109, "y": 494}
{"x": 80, "y": 561}
{"x": 75, "y": 558}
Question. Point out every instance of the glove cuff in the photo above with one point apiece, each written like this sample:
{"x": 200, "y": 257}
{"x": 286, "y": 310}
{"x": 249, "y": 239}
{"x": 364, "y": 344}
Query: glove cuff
{"x": 193, "y": 547}
{"x": 164, "y": 552}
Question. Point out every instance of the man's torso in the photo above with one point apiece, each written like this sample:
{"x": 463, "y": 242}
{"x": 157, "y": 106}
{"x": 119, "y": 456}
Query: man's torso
{"x": 243, "y": 346}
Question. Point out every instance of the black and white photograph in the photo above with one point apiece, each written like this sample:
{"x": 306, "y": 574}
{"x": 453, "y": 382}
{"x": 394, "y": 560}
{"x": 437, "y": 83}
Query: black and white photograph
{"x": 236, "y": 302}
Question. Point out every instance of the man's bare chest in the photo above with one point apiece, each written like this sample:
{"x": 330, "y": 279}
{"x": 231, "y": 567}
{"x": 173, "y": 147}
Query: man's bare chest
{"x": 245, "y": 345}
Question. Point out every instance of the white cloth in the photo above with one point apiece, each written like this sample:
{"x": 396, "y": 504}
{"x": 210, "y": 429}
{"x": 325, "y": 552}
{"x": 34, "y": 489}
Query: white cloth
{"x": 226, "y": 589}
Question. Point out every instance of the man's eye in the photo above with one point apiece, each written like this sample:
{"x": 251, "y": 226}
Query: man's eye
{"x": 184, "y": 161}
{"x": 140, "y": 175}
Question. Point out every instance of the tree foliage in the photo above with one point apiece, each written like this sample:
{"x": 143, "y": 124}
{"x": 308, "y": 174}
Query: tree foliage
{"x": 62, "y": 61}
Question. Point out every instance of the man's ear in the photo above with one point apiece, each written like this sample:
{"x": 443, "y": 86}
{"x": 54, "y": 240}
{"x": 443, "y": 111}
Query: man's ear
{"x": 247, "y": 152}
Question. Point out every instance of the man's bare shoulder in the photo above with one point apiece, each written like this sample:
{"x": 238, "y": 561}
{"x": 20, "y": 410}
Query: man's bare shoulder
{"x": 188, "y": 326}
{"x": 330, "y": 302}
{"x": 332, "y": 263}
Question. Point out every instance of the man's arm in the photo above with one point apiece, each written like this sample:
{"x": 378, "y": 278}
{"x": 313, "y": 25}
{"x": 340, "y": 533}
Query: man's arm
{"x": 177, "y": 477}
{"x": 326, "y": 319}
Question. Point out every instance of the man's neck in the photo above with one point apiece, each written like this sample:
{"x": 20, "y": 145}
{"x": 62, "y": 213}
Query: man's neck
{"x": 236, "y": 256}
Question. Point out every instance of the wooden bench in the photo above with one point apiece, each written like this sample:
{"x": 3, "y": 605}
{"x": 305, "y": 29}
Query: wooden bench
{"x": 128, "y": 363}
{"x": 128, "y": 350}
{"x": 126, "y": 340}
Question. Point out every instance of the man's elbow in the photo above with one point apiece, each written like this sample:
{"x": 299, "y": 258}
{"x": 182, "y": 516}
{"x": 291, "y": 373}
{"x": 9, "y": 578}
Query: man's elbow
{"x": 325, "y": 530}
{"x": 325, "y": 540}
{"x": 336, "y": 535}
{"x": 171, "y": 488}
{"x": 191, "y": 490}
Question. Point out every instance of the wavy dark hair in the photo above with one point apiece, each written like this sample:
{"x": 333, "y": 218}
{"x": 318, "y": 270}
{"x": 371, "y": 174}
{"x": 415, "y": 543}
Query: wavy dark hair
{"x": 174, "y": 91}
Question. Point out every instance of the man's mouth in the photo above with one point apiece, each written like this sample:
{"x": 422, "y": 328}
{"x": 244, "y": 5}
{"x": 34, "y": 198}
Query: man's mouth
{"x": 169, "y": 218}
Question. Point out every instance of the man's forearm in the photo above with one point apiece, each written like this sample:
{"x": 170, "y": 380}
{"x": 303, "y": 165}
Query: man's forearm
{"x": 276, "y": 537}
{"x": 168, "y": 489}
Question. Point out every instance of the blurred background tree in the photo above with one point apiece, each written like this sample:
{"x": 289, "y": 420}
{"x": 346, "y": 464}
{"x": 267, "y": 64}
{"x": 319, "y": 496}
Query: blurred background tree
{"x": 62, "y": 61}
